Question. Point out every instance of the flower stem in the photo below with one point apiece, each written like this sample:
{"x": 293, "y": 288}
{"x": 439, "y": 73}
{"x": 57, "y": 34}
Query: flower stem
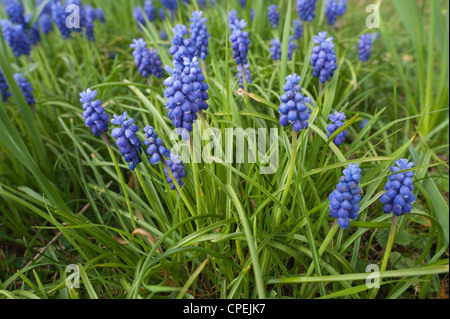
{"x": 387, "y": 252}
{"x": 196, "y": 177}
{"x": 122, "y": 181}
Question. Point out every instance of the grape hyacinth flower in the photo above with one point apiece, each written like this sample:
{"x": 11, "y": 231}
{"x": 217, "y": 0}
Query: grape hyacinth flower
{"x": 294, "y": 107}
{"x": 181, "y": 99}
{"x": 240, "y": 75}
{"x": 365, "y": 45}
{"x": 331, "y": 11}
{"x": 243, "y": 3}
{"x": 252, "y": 14}
{"x": 94, "y": 114}
{"x": 147, "y": 61}
{"x": 345, "y": 199}
{"x": 163, "y": 35}
{"x": 232, "y": 15}
{"x": 15, "y": 11}
{"x": 99, "y": 15}
{"x": 199, "y": 34}
{"x": 274, "y": 16}
{"x": 126, "y": 139}
{"x": 239, "y": 41}
{"x": 363, "y": 123}
{"x": 192, "y": 69}
{"x": 82, "y": 16}
{"x": 275, "y": 49}
{"x": 305, "y": 9}
{"x": 149, "y": 10}
{"x": 4, "y": 88}
{"x": 32, "y": 31}
{"x": 162, "y": 14}
{"x": 156, "y": 149}
{"x": 170, "y": 5}
{"x": 139, "y": 17}
{"x": 342, "y": 7}
{"x": 202, "y": 3}
{"x": 89, "y": 22}
{"x": 177, "y": 168}
{"x": 181, "y": 47}
{"x": 291, "y": 47}
{"x": 338, "y": 120}
{"x": 59, "y": 17}
{"x": 45, "y": 23}
{"x": 297, "y": 26}
{"x": 399, "y": 196}
{"x": 16, "y": 37}
{"x": 323, "y": 57}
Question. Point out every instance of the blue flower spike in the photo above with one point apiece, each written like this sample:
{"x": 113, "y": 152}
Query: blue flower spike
{"x": 294, "y": 108}
{"x": 323, "y": 58}
{"x": 94, "y": 114}
{"x": 199, "y": 34}
{"x": 338, "y": 120}
{"x": 177, "y": 168}
{"x": 365, "y": 45}
{"x": 345, "y": 199}
{"x": 4, "y": 88}
{"x": 16, "y": 37}
{"x": 156, "y": 149}
{"x": 305, "y": 9}
{"x": 274, "y": 16}
{"x": 147, "y": 61}
{"x": 399, "y": 196}
{"x": 25, "y": 87}
{"x": 126, "y": 139}
{"x": 239, "y": 41}
{"x": 181, "y": 47}
{"x": 275, "y": 49}
{"x": 297, "y": 26}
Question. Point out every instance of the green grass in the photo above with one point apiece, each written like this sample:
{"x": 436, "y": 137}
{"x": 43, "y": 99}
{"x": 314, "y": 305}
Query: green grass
{"x": 230, "y": 232}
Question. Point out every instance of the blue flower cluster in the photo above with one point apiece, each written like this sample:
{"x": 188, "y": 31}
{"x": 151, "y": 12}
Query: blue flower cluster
{"x": 16, "y": 37}
{"x": 342, "y": 7}
{"x": 399, "y": 196}
{"x": 181, "y": 47}
{"x": 126, "y": 139}
{"x": 45, "y": 23}
{"x": 4, "y": 88}
{"x": 297, "y": 26}
{"x": 291, "y": 47}
{"x": 25, "y": 87}
{"x": 59, "y": 17}
{"x": 274, "y": 16}
{"x": 275, "y": 49}
{"x": 232, "y": 15}
{"x": 334, "y": 9}
{"x": 177, "y": 168}
{"x": 15, "y": 11}
{"x": 338, "y": 120}
{"x": 156, "y": 148}
{"x": 365, "y": 45}
{"x": 138, "y": 15}
{"x": 32, "y": 31}
{"x": 305, "y": 9}
{"x": 90, "y": 16}
{"x": 294, "y": 107}
{"x": 149, "y": 10}
{"x": 323, "y": 57}
{"x": 147, "y": 61}
{"x": 243, "y": 3}
{"x": 345, "y": 199}
{"x": 181, "y": 98}
{"x": 199, "y": 34}
{"x": 239, "y": 41}
{"x": 94, "y": 114}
